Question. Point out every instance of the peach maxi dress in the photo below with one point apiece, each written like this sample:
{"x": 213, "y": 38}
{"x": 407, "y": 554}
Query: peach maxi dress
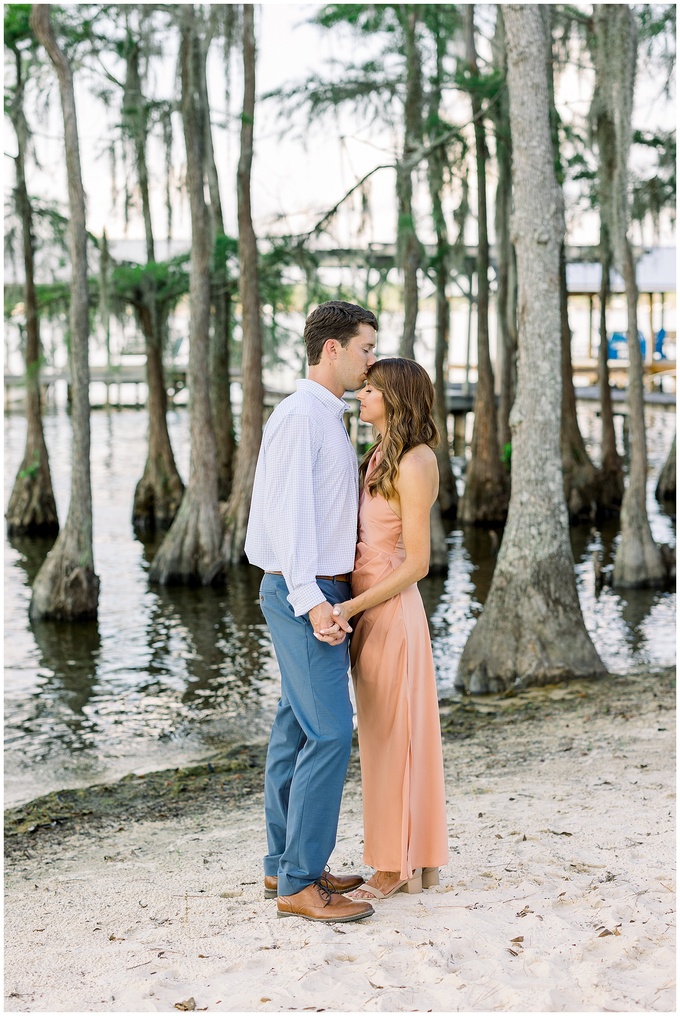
{"x": 398, "y": 717}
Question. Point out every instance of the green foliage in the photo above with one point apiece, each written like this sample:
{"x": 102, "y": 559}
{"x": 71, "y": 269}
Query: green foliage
{"x": 224, "y": 253}
{"x": 168, "y": 280}
{"x": 367, "y": 87}
{"x": 17, "y": 29}
{"x": 32, "y": 469}
{"x": 486, "y": 86}
{"x": 655, "y": 20}
{"x": 506, "y": 455}
{"x": 366, "y": 18}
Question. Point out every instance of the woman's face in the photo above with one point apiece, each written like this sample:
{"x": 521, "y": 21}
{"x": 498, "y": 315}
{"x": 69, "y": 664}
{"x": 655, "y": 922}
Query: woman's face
{"x": 372, "y": 407}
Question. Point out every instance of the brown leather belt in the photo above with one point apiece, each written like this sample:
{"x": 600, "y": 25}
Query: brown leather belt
{"x": 328, "y": 578}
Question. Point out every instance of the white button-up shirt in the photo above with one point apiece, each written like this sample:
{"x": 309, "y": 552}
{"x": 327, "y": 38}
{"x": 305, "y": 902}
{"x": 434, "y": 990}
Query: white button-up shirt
{"x": 303, "y": 514}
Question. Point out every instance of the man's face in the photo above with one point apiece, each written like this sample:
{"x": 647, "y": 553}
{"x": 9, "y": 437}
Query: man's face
{"x": 356, "y": 357}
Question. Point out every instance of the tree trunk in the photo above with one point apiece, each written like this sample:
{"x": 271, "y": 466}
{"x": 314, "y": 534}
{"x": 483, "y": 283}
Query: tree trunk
{"x": 581, "y": 482}
{"x": 638, "y": 560}
{"x": 238, "y": 506}
{"x": 580, "y": 476}
{"x": 602, "y": 113}
{"x": 611, "y": 468}
{"x": 486, "y": 482}
{"x": 666, "y": 485}
{"x": 32, "y": 510}
{"x": 220, "y": 379}
{"x": 531, "y": 630}
{"x": 448, "y": 492}
{"x": 507, "y": 329}
{"x": 66, "y": 588}
{"x": 190, "y": 551}
{"x": 409, "y": 250}
{"x": 159, "y": 492}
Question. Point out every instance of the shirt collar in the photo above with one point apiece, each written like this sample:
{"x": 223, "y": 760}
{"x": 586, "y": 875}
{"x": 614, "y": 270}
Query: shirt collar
{"x": 337, "y": 406}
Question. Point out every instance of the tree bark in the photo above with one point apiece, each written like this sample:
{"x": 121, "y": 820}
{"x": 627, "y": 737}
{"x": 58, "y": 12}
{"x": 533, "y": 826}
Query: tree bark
{"x": 221, "y": 288}
{"x": 505, "y": 303}
{"x": 32, "y": 509}
{"x": 580, "y": 476}
{"x": 190, "y": 551}
{"x": 238, "y": 506}
{"x": 581, "y": 481}
{"x": 448, "y": 492}
{"x": 531, "y": 630}
{"x": 638, "y": 561}
{"x": 611, "y": 467}
{"x": 159, "y": 492}
{"x": 66, "y": 588}
{"x": 486, "y": 482}
{"x": 409, "y": 249}
{"x": 666, "y": 486}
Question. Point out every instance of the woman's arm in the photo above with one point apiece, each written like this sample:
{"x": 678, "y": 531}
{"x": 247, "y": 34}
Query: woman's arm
{"x": 417, "y": 485}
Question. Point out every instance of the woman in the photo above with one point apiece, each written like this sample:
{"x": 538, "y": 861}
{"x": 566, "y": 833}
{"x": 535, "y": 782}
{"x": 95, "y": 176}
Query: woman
{"x": 405, "y": 832}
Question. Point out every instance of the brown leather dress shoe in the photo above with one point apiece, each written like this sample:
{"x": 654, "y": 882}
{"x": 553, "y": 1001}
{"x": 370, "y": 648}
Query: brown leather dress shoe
{"x": 338, "y": 883}
{"x": 318, "y": 903}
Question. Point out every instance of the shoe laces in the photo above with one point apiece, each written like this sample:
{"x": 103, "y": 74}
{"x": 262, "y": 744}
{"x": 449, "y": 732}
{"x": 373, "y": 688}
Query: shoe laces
{"x": 325, "y": 889}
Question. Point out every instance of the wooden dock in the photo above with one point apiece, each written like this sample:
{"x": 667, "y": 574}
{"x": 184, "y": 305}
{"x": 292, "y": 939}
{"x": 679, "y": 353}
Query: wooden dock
{"x": 460, "y": 396}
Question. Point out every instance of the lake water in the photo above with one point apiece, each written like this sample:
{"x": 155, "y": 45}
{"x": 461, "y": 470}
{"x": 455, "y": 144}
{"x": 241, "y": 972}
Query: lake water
{"x": 167, "y": 676}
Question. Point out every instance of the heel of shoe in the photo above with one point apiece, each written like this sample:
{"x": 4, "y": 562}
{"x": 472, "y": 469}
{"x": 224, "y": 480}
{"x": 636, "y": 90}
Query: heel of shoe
{"x": 430, "y": 877}
{"x": 414, "y": 884}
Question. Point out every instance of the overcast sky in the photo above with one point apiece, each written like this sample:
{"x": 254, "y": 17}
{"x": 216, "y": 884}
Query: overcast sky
{"x": 297, "y": 177}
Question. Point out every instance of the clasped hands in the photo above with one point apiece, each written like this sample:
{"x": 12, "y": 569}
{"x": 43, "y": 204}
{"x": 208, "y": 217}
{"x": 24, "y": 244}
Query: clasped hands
{"x": 330, "y": 622}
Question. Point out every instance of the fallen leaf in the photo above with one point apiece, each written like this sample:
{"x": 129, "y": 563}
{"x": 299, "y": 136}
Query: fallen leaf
{"x": 605, "y": 932}
{"x": 378, "y": 986}
{"x": 520, "y": 938}
{"x": 265, "y": 999}
{"x": 188, "y": 1006}
{"x": 512, "y": 952}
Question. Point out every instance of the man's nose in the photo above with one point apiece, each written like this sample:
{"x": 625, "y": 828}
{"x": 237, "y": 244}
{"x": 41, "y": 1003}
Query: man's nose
{"x": 371, "y": 359}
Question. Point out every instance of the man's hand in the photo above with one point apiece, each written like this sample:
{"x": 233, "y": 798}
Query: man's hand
{"x": 334, "y": 628}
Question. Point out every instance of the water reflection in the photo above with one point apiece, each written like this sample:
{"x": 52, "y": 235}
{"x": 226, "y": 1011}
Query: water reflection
{"x": 61, "y": 679}
{"x": 168, "y": 675}
{"x": 71, "y": 653}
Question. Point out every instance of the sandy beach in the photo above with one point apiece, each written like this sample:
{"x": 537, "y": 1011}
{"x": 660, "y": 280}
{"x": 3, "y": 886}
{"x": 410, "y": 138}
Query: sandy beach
{"x": 558, "y": 897}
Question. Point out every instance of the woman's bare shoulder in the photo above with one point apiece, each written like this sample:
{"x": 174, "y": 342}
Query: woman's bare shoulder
{"x": 418, "y": 458}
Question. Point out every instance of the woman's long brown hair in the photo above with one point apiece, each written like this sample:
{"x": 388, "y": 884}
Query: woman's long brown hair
{"x": 408, "y": 395}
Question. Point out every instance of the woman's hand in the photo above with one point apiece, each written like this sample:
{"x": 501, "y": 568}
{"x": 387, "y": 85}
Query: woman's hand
{"x": 344, "y": 610}
{"x": 341, "y": 613}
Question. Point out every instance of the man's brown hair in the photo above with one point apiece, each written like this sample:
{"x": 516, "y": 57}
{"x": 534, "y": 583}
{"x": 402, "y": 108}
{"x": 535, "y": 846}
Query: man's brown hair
{"x": 334, "y": 320}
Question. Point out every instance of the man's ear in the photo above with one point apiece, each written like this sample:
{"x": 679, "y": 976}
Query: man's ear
{"x": 331, "y": 348}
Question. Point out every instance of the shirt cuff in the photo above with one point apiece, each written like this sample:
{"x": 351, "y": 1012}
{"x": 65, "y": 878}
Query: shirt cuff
{"x": 303, "y": 598}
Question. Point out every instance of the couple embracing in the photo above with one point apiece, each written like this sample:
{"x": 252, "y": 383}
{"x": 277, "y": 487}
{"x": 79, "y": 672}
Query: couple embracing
{"x": 303, "y": 533}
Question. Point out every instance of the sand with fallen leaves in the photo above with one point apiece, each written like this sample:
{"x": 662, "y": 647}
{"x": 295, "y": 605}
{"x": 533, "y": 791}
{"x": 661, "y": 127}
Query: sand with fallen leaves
{"x": 559, "y": 893}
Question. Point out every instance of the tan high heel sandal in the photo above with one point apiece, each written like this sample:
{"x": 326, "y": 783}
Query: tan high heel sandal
{"x": 430, "y": 877}
{"x": 412, "y": 885}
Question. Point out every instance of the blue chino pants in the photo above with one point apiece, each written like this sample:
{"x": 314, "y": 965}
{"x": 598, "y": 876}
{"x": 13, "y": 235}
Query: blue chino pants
{"x": 310, "y": 741}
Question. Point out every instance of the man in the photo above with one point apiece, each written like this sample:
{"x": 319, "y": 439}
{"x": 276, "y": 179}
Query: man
{"x": 302, "y": 533}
